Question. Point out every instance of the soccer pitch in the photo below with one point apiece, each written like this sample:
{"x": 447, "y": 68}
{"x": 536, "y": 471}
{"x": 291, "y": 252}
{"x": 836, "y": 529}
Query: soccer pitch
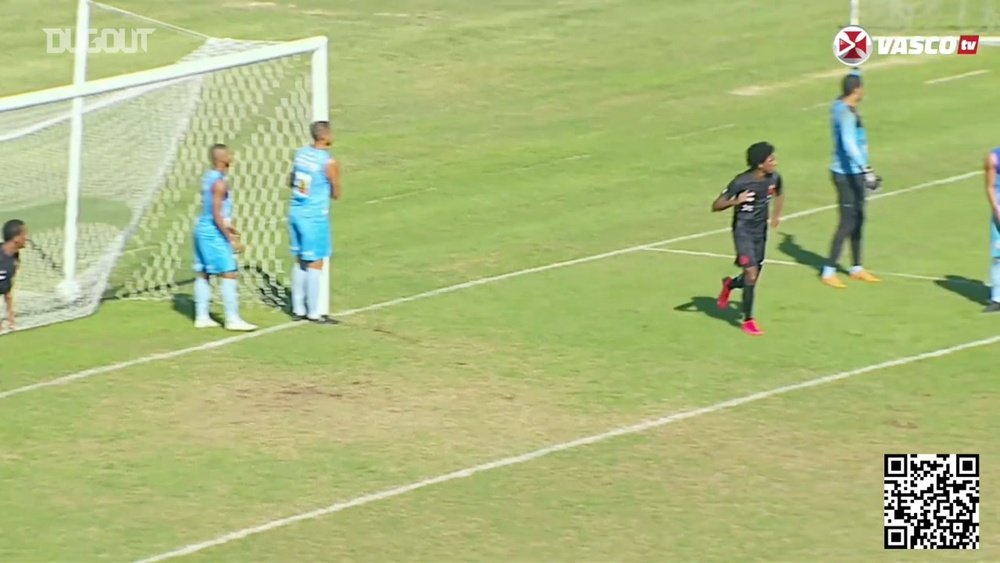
{"x": 529, "y": 269}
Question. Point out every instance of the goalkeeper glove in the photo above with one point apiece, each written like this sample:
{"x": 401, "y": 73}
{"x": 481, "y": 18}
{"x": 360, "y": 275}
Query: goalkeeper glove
{"x": 872, "y": 180}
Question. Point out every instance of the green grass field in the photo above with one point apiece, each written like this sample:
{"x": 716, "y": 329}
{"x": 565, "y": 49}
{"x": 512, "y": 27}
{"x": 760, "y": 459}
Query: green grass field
{"x": 520, "y": 135}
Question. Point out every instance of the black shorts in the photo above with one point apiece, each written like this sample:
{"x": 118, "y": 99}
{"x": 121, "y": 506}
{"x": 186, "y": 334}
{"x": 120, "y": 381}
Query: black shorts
{"x": 750, "y": 247}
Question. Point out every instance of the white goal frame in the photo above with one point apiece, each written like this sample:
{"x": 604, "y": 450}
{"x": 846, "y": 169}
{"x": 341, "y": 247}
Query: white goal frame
{"x": 855, "y": 19}
{"x": 80, "y": 89}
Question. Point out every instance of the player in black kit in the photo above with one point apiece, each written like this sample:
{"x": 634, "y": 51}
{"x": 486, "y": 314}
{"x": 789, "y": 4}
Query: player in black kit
{"x": 749, "y": 194}
{"x": 15, "y": 236}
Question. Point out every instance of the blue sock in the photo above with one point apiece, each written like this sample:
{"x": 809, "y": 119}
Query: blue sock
{"x": 995, "y": 279}
{"x": 202, "y": 297}
{"x": 829, "y": 271}
{"x": 298, "y": 290}
{"x": 313, "y": 277}
{"x": 857, "y": 269}
{"x": 230, "y": 299}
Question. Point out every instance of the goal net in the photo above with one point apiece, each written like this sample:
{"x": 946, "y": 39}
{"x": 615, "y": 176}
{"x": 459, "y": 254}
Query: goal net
{"x": 927, "y": 17}
{"x": 145, "y": 140}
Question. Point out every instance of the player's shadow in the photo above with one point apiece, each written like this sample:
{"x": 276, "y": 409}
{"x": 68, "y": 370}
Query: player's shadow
{"x": 801, "y": 255}
{"x": 183, "y": 303}
{"x": 706, "y": 306}
{"x": 973, "y": 290}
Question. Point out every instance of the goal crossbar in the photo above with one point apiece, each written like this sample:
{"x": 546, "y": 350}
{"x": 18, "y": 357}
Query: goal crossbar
{"x": 315, "y": 45}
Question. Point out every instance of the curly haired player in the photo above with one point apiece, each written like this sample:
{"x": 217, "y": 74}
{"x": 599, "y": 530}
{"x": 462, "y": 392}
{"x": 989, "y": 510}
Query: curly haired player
{"x": 749, "y": 194}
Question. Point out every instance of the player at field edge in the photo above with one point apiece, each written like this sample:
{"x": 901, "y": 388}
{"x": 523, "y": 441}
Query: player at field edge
{"x": 216, "y": 244}
{"x": 15, "y": 237}
{"x": 993, "y": 196}
{"x": 853, "y": 177}
{"x": 315, "y": 180}
{"x": 749, "y": 194}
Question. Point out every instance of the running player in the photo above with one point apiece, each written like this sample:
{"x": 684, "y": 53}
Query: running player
{"x": 749, "y": 194}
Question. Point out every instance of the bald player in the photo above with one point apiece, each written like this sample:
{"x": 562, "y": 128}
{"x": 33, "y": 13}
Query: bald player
{"x": 315, "y": 180}
{"x": 216, "y": 244}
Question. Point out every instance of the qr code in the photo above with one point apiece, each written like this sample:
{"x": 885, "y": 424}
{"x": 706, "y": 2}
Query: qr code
{"x": 931, "y": 501}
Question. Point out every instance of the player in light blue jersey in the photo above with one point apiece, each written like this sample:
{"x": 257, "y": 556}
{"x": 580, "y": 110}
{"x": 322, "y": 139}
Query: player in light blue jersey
{"x": 216, "y": 243}
{"x": 993, "y": 196}
{"x": 315, "y": 180}
{"x": 853, "y": 177}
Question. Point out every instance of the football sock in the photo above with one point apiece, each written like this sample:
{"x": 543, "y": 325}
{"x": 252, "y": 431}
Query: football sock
{"x": 857, "y": 269}
{"x": 737, "y": 282}
{"x": 230, "y": 299}
{"x": 829, "y": 271}
{"x": 298, "y": 290}
{"x": 202, "y": 296}
{"x": 313, "y": 277}
{"x": 995, "y": 279}
{"x": 748, "y": 291}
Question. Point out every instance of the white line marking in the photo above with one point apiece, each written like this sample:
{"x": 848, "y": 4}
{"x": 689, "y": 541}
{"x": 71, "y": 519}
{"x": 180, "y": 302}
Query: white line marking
{"x": 700, "y": 132}
{"x": 817, "y": 106}
{"x": 585, "y": 441}
{"x": 760, "y": 89}
{"x": 956, "y": 76}
{"x": 402, "y": 195}
{"x": 555, "y": 161}
{"x": 87, "y": 373}
{"x": 787, "y": 263}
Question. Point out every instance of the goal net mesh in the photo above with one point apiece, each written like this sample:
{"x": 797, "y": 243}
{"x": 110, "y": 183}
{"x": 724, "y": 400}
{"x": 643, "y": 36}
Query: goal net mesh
{"x": 931, "y": 16}
{"x": 144, "y": 151}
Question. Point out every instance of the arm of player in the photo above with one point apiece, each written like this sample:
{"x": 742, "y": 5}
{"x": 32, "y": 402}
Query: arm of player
{"x": 779, "y": 203}
{"x": 847, "y": 123}
{"x": 8, "y": 301}
{"x": 333, "y": 174}
{"x": 729, "y": 197}
{"x": 991, "y": 178}
{"x": 218, "y": 196}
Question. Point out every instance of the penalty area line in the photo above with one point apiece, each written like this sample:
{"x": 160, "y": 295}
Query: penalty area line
{"x": 555, "y": 448}
{"x": 957, "y": 76}
{"x": 142, "y": 360}
{"x": 789, "y": 263}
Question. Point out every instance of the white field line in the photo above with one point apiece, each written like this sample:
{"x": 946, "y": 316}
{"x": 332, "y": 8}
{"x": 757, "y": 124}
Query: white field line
{"x": 109, "y": 368}
{"x": 787, "y": 263}
{"x": 700, "y": 132}
{"x": 956, "y": 76}
{"x": 562, "y": 446}
{"x": 401, "y": 195}
{"x": 761, "y": 89}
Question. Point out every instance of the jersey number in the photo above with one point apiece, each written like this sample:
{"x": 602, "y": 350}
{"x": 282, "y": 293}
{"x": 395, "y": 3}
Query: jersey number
{"x": 746, "y": 207}
{"x": 302, "y": 181}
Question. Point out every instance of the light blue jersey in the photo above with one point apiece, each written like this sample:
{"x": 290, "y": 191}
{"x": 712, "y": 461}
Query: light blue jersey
{"x": 206, "y": 220}
{"x": 311, "y": 189}
{"x": 212, "y": 252}
{"x": 850, "y": 142}
{"x": 994, "y": 225}
{"x": 309, "y": 210}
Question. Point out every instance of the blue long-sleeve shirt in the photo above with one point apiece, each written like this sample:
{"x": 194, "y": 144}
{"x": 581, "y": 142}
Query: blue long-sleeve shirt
{"x": 850, "y": 142}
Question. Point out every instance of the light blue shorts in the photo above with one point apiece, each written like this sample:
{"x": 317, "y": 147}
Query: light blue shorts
{"x": 310, "y": 238}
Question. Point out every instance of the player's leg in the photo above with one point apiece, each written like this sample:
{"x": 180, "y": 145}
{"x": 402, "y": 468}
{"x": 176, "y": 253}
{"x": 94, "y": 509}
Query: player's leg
{"x": 994, "y": 304}
{"x": 858, "y": 271}
{"x": 298, "y": 271}
{"x": 845, "y": 226}
{"x": 316, "y": 249}
{"x": 728, "y": 283}
{"x": 228, "y": 270}
{"x": 202, "y": 286}
{"x": 750, "y": 277}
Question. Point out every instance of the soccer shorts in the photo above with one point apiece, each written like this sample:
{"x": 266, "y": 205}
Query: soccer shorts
{"x": 851, "y": 193}
{"x": 995, "y": 239}
{"x": 213, "y": 254}
{"x": 310, "y": 238}
{"x": 750, "y": 247}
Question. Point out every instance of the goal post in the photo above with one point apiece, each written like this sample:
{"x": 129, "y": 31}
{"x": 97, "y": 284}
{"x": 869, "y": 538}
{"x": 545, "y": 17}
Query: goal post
{"x": 106, "y": 173}
{"x": 929, "y": 17}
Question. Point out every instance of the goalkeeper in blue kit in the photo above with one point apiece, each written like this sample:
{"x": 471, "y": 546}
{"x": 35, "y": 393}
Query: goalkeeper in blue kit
{"x": 993, "y": 196}
{"x": 853, "y": 177}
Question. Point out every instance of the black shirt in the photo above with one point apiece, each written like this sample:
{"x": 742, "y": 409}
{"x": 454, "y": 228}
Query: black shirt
{"x": 752, "y": 214}
{"x": 8, "y": 268}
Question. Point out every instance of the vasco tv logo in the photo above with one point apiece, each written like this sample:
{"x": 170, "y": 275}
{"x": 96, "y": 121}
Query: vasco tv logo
{"x": 853, "y": 45}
